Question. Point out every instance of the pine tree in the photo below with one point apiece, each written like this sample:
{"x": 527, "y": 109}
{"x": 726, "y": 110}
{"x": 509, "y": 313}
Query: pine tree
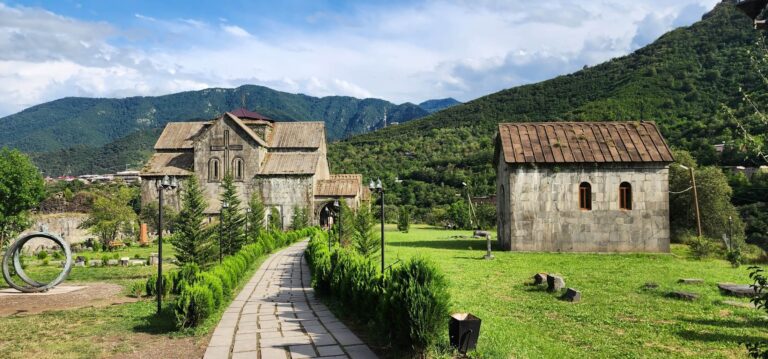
{"x": 300, "y": 218}
{"x": 403, "y": 219}
{"x": 258, "y": 213}
{"x": 275, "y": 220}
{"x": 192, "y": 240}
{"x": 231, "y": 228}
{"x": 346, "y": 222}
{"x": 363, "y": 238}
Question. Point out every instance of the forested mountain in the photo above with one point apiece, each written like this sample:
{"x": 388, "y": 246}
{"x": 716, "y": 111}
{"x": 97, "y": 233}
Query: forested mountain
{"x": 76, "y": 122}
{"x": 433, "y": 106}
{"x": 685, "y": 81}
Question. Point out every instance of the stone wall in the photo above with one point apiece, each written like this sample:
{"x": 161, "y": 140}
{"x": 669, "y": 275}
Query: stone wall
{"x": 285, "y": 193}
{"x": 539, "y": 208}
{"x": 65, "y": 225}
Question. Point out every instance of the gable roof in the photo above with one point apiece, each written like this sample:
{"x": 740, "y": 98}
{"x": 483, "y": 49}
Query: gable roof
{"x": 287, "y": 163}
{"x": 247, "y": 129}
{"x": 341, "y": 185}
{"x": 179, "y": 135}
{"x": 298, "y": 135}
{"x": 582, "y": 142}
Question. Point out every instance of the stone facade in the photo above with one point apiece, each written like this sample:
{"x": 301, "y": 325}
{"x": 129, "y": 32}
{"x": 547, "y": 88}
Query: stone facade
{"x": 582, "y": 187}
{"x": 284, "y": 162}
{"x": 539, "y": 210}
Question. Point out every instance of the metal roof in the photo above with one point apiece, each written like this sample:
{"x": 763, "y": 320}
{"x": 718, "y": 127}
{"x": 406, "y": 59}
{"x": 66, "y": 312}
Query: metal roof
{"x": 244, "y": 114}
{"x": 179, "y": 135}
{"x": 290, "y": 163}
{"x": 341, "y": 185}
{"x": 582, "y": 142}
{"x": 297, "y": 135}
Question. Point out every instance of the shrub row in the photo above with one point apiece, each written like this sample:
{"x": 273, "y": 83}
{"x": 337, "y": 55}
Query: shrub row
{"x": 408, "y": 305}
{"x": 201, "y": 292}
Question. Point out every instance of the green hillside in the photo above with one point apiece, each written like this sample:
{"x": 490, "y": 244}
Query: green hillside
{"x": 681, "y": 81}
{"x": 74, "y": 122}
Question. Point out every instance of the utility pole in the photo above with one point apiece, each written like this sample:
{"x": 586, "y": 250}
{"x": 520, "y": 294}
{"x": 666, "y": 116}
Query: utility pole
{"x": 696, "y": 201}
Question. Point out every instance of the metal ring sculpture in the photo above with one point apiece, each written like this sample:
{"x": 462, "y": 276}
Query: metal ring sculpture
{"x": 12, "y": 256}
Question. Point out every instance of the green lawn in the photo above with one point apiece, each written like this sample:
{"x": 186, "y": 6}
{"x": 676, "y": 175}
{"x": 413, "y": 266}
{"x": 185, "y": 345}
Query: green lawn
{"x": 616, "y": 317}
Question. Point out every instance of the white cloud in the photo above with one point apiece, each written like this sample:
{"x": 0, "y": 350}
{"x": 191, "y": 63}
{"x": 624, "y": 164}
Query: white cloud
{"x": 401, "y": 53}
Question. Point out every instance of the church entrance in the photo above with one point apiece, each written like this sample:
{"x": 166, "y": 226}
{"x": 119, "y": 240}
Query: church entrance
{"x": 328, "y": 215}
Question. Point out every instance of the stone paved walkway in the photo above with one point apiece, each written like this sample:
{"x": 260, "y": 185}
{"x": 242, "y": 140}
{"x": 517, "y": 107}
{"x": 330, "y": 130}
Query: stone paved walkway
{"x": 276, "y": 315}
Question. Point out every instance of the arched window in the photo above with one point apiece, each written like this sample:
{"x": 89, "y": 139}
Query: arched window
{"x": 239, "y": 168}
{"x": 585, "y": 196}
{"x": 214, "y": 170}
{"x": 625, "y": 196}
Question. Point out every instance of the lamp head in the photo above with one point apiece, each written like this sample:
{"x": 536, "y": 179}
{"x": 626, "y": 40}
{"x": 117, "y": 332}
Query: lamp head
{"x": 379, "y": 186}
{"x": 248, "y": 210}
{"x": 174, "y": 182}
{"x": 224, "y": 205}
{"x": 372, "y": 185}
{"x": 166, "y": 182}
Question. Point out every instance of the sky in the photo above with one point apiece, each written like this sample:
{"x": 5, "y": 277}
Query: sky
{"x": 400, "y": 51}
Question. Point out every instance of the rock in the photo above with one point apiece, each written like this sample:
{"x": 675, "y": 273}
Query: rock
{"x": 734, "y": 303}
{"x": 113, "y": 262}
{"x": 95, "y": 263}
{"x": 683, "y": 295}
{"x": 571, "y": 295}
{"x": 79, "y": 264}
{"x": 153, "y": 259}
{"x": 125, "y": 261}
{"x": 651, "y": 285}
{"x": 138, "y": 262}
{"x": 555, "y": 283}
{"x": 737, "y": 290}
{"x": 539, "y": 278}
{"x": 691, "y": 281}
{"x": 80, "y": 259}
{"x": 482, "y": 234}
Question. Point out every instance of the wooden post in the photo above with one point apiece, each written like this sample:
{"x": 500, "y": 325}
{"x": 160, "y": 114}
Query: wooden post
{"x": 696, "y": 201}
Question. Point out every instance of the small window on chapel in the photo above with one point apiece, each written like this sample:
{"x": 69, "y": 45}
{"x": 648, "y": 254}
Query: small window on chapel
{"x": 214, "y": 170}
{"x": 239, "y": 167}
{"x": 625, "y": 196}
{"x": 585, "y": 196}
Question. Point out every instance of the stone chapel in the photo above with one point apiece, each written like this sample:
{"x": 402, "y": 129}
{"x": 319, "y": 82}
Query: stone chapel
{"x": 582, "y": 187}
{"x": 284, "y": 161}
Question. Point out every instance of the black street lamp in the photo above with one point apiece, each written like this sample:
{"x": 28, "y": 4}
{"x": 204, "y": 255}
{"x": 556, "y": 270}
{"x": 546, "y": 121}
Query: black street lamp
{"x": 224, "y": 206}
{"x": 379, "y": 188}
{"x": 164, "y": 185}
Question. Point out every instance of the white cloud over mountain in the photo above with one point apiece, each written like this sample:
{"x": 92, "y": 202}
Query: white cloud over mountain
{"x": 412, "y": 52}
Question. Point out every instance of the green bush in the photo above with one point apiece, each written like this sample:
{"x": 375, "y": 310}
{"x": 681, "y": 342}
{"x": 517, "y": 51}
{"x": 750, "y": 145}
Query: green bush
{"x": 214, "y": 285}
{"x": 42, "y": 255}
{"x": 137, "y": 289}
{"x": 194, "y": 305}
{"x": 412, "y": 301}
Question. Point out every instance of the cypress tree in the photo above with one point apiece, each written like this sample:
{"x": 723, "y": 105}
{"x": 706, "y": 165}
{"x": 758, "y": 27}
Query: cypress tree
{"x": 275, "y": 221}
{"x": 192, "y": 239}
{"x": 300, "y": 218}
{"x": 232, "y": 226}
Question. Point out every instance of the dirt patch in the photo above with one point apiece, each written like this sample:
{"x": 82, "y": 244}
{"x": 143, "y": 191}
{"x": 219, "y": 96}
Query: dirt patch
{"x": 94, "y": 295}
{"x": 142, "y": 346}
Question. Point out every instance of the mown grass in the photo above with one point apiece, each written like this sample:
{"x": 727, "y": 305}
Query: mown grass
{"x": 107, "y": 331}
{"x": 617, "y": 317}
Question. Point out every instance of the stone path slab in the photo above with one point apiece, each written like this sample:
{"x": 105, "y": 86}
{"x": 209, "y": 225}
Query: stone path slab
{"x": 61, "y": 289}
{"x": 276, "y": 316}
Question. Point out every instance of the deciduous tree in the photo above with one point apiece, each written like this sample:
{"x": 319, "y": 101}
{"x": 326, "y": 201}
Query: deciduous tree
{"x": 21, "y": 189}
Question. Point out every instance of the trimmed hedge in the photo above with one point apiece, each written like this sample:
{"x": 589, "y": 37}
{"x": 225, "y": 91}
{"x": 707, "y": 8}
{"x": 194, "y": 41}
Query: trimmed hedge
{"x": 201, "y": 293}
{"x": 411, "y": 300}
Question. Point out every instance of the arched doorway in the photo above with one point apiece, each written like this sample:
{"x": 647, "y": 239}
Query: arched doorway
{"x": 328, "y": 215}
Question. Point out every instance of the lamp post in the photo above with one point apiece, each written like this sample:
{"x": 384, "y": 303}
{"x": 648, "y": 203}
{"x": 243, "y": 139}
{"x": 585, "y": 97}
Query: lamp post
{"x": 379, "y": 188}
{"x": 165, "y": 184}
{"x": 224, "y": 206}
{"x": 695, "y": 197}
{"x": 247, "y": 219}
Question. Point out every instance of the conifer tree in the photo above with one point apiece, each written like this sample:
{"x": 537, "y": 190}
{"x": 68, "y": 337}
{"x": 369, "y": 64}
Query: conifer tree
{"x": 300, "y": 218}
{"x": 258, "y": 213}
{"x": 403, "y": 220}
{"x": 363, "y": 239}
{"x": 275, "y": 220}
{"x": 231, "y": 228}
{"x": 192, "y": 240}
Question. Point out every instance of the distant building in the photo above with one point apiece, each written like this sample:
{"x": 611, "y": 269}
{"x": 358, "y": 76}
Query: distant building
{"x": 582, "y": 187}
{"x": 128, "y": 176}
{"x": 284, "y": 161}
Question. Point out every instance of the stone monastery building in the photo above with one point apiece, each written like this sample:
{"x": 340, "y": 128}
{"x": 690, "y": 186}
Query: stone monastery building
{"x": 582, "y": 187}
{"x": 284, "y": 161}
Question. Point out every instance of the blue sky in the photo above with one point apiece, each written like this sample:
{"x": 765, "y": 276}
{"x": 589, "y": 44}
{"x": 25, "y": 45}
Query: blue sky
{"x": 397, "y": 50}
